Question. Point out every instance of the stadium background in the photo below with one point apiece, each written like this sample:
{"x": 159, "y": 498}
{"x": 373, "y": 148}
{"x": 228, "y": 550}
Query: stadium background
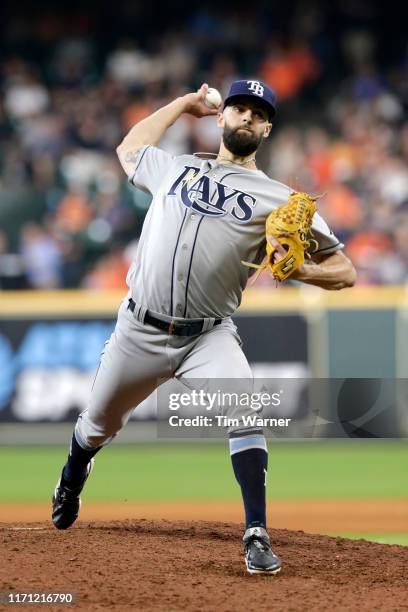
{"x": 73, "y": 82}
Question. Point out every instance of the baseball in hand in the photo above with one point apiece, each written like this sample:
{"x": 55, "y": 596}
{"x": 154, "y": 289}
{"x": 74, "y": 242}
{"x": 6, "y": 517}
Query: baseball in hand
{"x": 213, "y": 98}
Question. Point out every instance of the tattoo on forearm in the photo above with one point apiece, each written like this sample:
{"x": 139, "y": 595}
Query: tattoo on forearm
{"x": 131, "y": 156}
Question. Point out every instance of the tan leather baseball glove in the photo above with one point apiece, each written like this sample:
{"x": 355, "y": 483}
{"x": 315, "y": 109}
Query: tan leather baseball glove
{"x": 290, "y": 225}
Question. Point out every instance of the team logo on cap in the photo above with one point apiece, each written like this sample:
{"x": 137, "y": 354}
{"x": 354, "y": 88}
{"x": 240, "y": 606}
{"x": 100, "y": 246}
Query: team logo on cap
{"x": 256, "y": 87}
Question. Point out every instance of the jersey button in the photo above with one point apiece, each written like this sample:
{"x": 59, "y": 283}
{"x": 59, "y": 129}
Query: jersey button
{"x": 180, "y": 277}
{"x": 193, "y": 215}
{"x": 178, "y": 307}
{"x": 185, "y": 247}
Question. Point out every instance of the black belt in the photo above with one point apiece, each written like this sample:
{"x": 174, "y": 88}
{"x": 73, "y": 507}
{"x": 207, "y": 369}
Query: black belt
{"x": 173, "y": 328}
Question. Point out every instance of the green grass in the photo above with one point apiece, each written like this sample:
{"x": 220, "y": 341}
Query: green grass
{"x": 325, "y": 470}
{"x": 381, "y": 538}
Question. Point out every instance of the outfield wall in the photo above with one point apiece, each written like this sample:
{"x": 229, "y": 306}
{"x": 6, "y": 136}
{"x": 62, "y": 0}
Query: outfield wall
{"x": 50, "y": 343}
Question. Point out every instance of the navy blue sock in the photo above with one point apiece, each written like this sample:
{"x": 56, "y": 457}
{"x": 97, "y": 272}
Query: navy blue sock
{"x": 74, "y": 471}
{"x": 250, "y": 467}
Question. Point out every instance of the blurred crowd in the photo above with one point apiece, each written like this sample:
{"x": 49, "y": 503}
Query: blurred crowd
{"x": 68, "y": 217}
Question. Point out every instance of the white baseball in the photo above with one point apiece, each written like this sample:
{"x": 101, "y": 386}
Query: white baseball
{"x": 213, "y": 98}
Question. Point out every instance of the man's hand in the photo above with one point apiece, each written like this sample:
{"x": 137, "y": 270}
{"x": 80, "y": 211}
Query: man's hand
{"x": 195, "y": 105}
{"x": 330, "y": 272}
{"x": 150, "y": 130}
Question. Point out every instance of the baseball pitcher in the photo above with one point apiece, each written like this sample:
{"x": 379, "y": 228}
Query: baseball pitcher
{"x": 204, "y": 230}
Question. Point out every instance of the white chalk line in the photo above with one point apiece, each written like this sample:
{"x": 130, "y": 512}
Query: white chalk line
{"x": 25, "y": 528}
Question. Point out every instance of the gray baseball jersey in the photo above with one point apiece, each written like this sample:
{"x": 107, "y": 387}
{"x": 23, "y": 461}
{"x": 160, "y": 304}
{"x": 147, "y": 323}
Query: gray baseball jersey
{"x": 205, "y": 217}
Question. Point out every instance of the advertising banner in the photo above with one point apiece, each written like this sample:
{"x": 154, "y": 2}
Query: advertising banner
{"x": 47, "y": 366}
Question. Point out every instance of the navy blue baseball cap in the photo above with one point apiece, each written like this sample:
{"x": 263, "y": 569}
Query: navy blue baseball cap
{"x": 253, "y": 89}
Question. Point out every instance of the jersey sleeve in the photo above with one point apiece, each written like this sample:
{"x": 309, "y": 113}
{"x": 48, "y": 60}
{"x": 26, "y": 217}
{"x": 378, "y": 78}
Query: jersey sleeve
{"x": 321, "y": 232}
{"x": 151, "y": 165}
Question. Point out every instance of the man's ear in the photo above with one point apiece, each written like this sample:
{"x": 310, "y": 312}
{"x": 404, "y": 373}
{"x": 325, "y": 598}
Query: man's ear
{"x": 267, "y": 130}
{"x": 220, "y": 120}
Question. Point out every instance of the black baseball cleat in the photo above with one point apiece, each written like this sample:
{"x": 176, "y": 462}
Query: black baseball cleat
{"x": 259, "y": 557}
{"x": 66, "y": 503}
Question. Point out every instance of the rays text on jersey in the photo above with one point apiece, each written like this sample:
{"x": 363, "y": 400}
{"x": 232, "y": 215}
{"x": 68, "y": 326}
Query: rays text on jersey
{"x": 212, "y": 198}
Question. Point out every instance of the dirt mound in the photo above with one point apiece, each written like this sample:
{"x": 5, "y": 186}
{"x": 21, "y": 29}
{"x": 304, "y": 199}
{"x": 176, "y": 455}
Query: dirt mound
{"x": 198, "y": 566}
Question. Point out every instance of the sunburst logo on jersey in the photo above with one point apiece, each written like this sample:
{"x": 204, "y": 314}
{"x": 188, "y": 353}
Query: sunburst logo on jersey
{"x": 189, "y": 177}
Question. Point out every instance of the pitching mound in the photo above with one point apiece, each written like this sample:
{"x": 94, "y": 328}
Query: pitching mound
{"x": 173, "y": 566}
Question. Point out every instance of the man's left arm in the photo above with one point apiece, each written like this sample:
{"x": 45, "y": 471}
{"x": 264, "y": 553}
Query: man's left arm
{"x": 328, "y": 268}
{"x": 332, "y": 272}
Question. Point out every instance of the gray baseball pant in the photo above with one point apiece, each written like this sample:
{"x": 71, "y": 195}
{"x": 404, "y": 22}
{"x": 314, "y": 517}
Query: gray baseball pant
{"x": 138, "y": 357}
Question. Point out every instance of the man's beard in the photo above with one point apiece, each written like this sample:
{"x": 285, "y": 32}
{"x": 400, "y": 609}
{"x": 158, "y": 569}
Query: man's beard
{"x": 240, "y": 142}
